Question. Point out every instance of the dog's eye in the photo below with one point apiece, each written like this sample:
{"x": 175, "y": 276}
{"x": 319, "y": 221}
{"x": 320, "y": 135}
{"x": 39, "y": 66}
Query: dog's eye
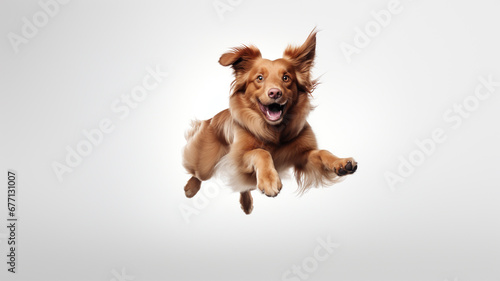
{"x": 286, "y": 78}
{"x": 260, "y": 78}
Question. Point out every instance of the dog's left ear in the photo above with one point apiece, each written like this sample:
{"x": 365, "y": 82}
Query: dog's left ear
{"x": 303, "y": 56}
{"x": 303, "y": 59}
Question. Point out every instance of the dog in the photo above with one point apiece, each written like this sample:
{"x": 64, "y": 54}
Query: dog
{"x": 264, "y": 131}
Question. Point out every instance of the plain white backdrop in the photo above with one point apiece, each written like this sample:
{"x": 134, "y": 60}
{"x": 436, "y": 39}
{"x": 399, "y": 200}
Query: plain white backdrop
{"x": 121, "y": 213}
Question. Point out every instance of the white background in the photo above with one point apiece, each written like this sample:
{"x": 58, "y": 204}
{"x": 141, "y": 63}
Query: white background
{"x": 119, "y": 210}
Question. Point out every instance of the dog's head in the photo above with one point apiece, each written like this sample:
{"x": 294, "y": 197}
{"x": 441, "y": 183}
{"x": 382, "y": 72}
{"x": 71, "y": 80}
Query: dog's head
{"x": 269, "y": 92}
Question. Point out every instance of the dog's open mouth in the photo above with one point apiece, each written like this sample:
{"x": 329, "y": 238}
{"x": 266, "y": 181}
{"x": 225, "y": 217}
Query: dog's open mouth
{"x": 273, "y": 111}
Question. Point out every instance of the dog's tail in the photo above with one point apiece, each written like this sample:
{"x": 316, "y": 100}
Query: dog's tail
{"x": 195, "y": 128}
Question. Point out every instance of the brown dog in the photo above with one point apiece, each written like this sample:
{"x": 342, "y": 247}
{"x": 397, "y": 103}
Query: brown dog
{"x": 264, "y": 132}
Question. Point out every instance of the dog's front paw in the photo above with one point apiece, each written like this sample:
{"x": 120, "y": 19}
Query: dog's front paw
{"x": 269, "y": 182}
{"x": 343, "y": 166}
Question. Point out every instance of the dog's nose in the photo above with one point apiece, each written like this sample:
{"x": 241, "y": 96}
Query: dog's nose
{"x": 274, "y": 93}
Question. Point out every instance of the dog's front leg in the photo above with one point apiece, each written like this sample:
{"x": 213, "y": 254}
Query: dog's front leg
{"x": 260, "y": 162}
{"x": 323, "y": 159}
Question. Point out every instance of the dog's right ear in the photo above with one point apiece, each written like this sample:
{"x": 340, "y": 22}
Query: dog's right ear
{"x": 240, "y": 58}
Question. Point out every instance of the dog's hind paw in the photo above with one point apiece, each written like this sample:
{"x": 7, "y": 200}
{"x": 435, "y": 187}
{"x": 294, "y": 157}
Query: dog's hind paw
{"x": 246, "y": 202}
{"x": 192, "y": 187}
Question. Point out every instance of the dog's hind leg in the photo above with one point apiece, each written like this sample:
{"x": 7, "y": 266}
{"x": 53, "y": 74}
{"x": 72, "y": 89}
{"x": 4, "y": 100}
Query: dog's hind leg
{"x": 246, "y": 202}
{"x": 207, "y": 142}
{"x": 192, "y": 187}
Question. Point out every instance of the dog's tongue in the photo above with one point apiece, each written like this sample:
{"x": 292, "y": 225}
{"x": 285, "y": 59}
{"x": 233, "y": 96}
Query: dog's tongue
{"x": 273, "y": 115}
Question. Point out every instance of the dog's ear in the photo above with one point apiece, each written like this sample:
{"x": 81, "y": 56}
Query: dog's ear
{"x": 240, "y": 58}
{"x": 303, "y": 59}
{"x": 303, "y": 56}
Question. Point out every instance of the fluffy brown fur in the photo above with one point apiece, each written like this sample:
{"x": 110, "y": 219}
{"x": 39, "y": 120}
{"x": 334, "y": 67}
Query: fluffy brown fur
{"x": 264, "y": 131}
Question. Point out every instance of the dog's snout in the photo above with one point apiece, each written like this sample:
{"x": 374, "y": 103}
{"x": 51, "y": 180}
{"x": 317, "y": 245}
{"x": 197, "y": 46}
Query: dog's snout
{"x": 275, "y": 93}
